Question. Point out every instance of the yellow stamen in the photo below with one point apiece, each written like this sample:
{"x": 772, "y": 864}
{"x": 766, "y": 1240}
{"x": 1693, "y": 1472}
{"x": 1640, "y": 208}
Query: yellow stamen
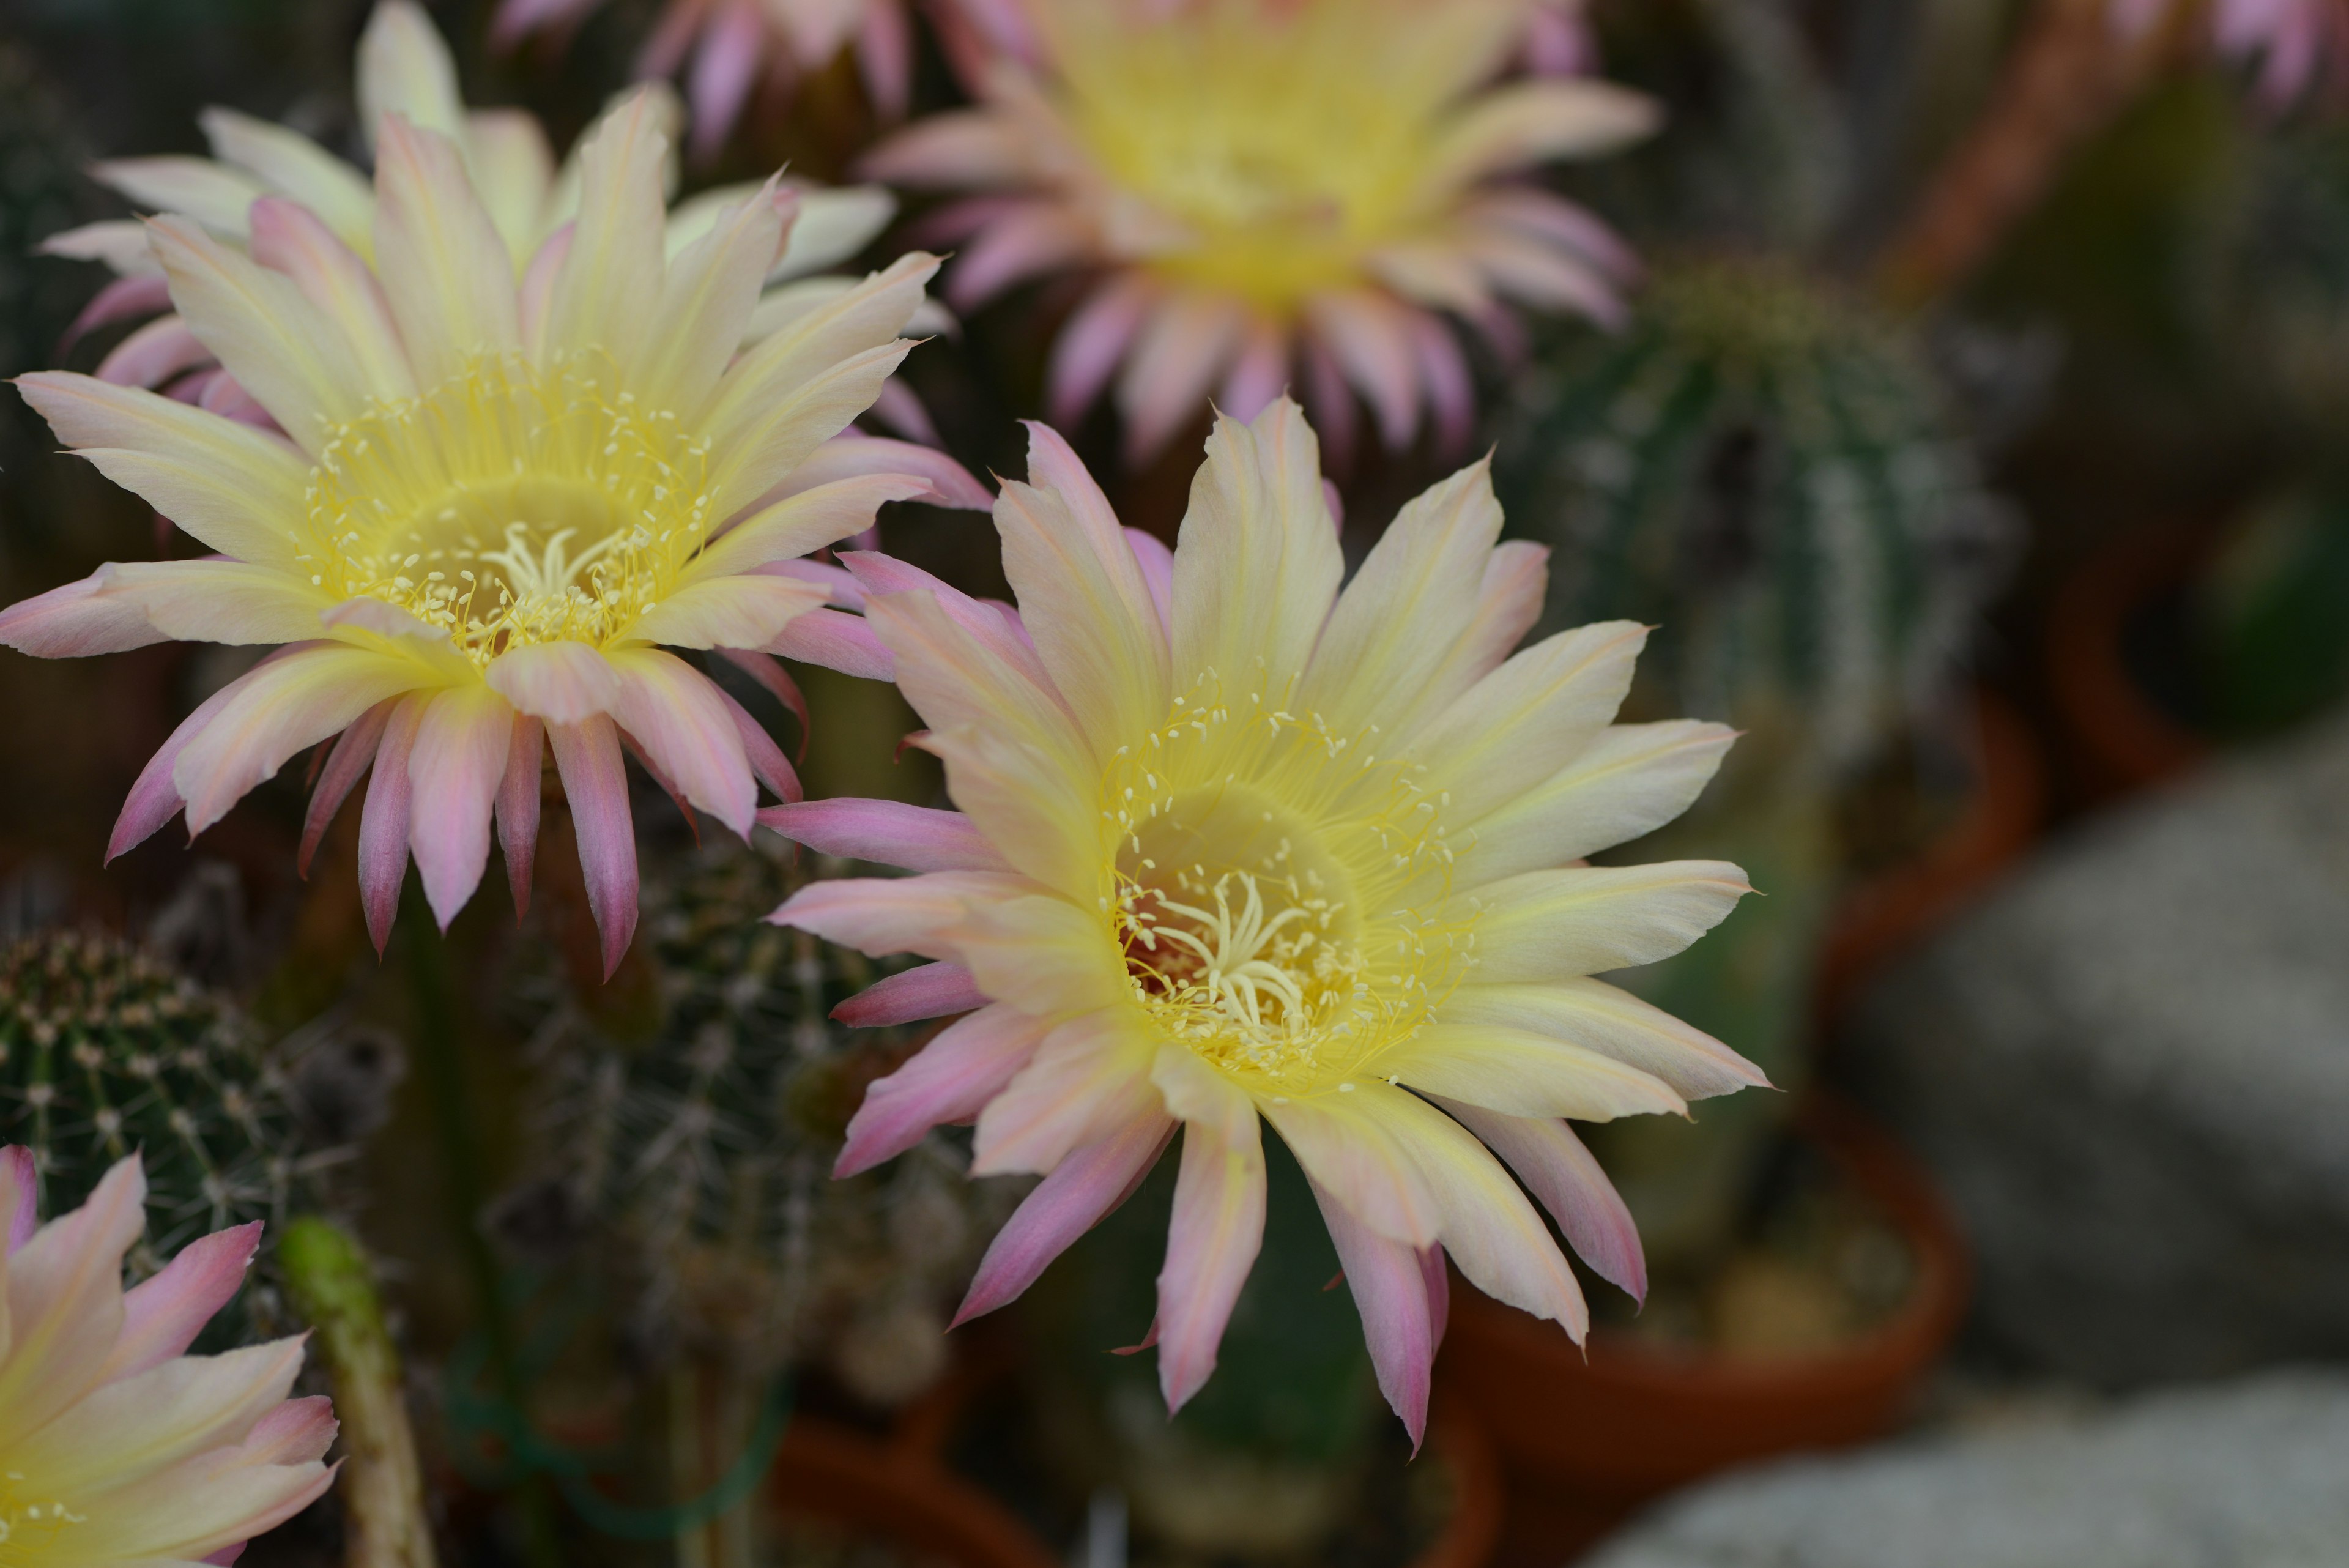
{"x": 510, "y": 506}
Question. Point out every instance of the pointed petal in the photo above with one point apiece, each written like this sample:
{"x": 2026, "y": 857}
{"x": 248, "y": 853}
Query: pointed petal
{"x": 1258, "y": 564}
{"x": 235, "y": 488}
{"x": 384, "y": 820}
{"x": 681, "y": 721}
{"x": 454, "y": 770}
{"x": 1389, "y": 1288}
{"x": 163, "y": 1315}
{"x": 888, "y": 833}
{"x": 404, "y": 68}
{"x": 1553, "y": 1163}
{"x": 595, "y": 782}
{"x": 1549, "y": 925}
{"x": 353, "y": 755}
{"x": 1631, "y": 780}
{"x": 518, "y": 808}
{"x": 282, "y": 707}
{"x": 561, "y": 682}
{"x": 283, "y": 350}
{"x": 444, "y": 267}
{"x": 925, "y": 991}
{"x": 291, "y": 239}
{"x": 1529, "y": 719}
{"x": 615, "y": 270}
{"x": 1211, "y": 1245}
{"x": 1090, "y": 1184}
{"x": 951, "y": 1079}
{"x": 1598, "y": 1017}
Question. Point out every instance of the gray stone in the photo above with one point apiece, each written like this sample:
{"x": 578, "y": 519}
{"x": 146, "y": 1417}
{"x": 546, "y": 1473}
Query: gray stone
{"x": 2130, "y": 1070}
{"x": 2249, "y": 1475}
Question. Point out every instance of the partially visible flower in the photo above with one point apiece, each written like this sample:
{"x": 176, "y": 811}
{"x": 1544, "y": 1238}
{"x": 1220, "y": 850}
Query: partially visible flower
{"x": 1269, "y": 188}
{"x": 403, "y": 68}
{"x": 1274, "y": 189}
{"x": 2292, "y": 43}
{"x": 1233, "y": 845}
{"x": 492, "y": 504}
{"x": 116, "y": 1446}
{"x": 1558, "y": 39}
{"x": 727, "y": 49}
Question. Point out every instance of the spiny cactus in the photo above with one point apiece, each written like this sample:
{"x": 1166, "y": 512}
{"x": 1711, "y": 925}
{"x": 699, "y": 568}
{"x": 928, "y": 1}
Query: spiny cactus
{"x": 105, "y": 1051}
{"x": 1766, "y": 473}
{"x": 699, "y": 1159}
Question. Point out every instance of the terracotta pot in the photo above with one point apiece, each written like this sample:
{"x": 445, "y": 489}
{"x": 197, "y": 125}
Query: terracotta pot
{"x": 1892, "y": 910}
{"x": 2122, "y": 739}
{"x": 1585, "y": 1441}
{"x": 901, "y": 1494}
{"x": 1456, "y": 1438}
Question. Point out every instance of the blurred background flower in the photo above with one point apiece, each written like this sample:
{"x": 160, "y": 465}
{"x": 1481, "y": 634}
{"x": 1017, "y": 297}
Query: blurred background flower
{"x": 1262, "y": 193}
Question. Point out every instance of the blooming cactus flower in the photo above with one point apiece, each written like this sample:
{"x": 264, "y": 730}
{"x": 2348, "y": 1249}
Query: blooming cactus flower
{"x": 1269, "y": 186}
{"x": 727, "y": 47}
{"x": 404, "y": 68}
{"x": 115, "y": 1448}
{"x": 1233, "y": 845}
{"x": 2292, "y": 42}
{"x": 492, "y": 505}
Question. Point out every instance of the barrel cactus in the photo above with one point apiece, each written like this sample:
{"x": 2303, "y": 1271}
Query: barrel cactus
{"x": 698, "y": 1158}
{"x": 106, "y": 1050}
{"x": 1768, "y": 474}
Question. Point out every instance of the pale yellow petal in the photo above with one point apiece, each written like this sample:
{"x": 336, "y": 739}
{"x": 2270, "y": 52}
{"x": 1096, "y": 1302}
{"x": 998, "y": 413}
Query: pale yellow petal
{"x": 230, "y": 485}
{"x": 1551, "y": 925}
{"x": 290, "y": 164}
{"x": 1257, "y": 565}
{"x": 605, "y": 294}
{"x": 283, "y": 349}
{"x": 1598, "y": 1017}
{"x": 727, "y": 612}
{"x": 1523, "y": 1074}
{"x": 447, "y": 272}
{"x": 1526, "y": 721}
{"x": 1631, "y": 780}
{"x": 404, "y": 68}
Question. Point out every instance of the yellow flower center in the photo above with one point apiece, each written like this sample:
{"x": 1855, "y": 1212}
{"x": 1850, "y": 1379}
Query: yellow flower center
{"x": 1263, "y": 154}
{"x": 512, "y": 504}
{"x": 29, "y": 1530}
{"x": 1274, "y": 887}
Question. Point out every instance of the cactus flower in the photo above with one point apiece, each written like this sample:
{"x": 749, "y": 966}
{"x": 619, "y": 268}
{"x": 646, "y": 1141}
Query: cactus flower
{"x": 403, "y": 68}
{"x": 1233, "y": 845}
{"x": 116, "y": 1446}
{"x": 492, "y": 505}
{"x": 727, "y": 49}
{"x": 1269, "y": 190}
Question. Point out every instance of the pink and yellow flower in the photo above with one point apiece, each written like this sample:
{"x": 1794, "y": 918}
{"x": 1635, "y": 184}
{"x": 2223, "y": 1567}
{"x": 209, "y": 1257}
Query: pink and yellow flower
{"x": 1234, "y": 845}
{"x": 1271, "y": 188}
{"x": 485, "y": 506}
{"x": 728, "y": 48}
{"x": 2293, "y": 44}
{"x": 116, "y": 1446}
{"x": 404, "y": 68}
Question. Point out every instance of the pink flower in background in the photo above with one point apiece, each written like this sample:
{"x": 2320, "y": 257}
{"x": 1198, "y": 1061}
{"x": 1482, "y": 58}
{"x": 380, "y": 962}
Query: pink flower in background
{"x": 2292, "y": 43}
{"x": 1268, "y": 191}
{"x": 483, "y": 506}
{"x": 726, "y": 49}
{"x": 116, "y": 1446}
{"x": 404, "y": 68}
{"x": 1235, "y": 846}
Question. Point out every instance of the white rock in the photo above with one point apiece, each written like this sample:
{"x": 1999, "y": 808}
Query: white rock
{"x": 2248, "y": 1475}
{"x": 2130, "y": 1070}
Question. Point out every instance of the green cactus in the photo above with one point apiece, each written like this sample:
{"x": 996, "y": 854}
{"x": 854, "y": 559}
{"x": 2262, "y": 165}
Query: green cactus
{"x": 700, "y": 1159}
{"x": 105, "y": 1052}
{"x": 1768, "y": 474}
